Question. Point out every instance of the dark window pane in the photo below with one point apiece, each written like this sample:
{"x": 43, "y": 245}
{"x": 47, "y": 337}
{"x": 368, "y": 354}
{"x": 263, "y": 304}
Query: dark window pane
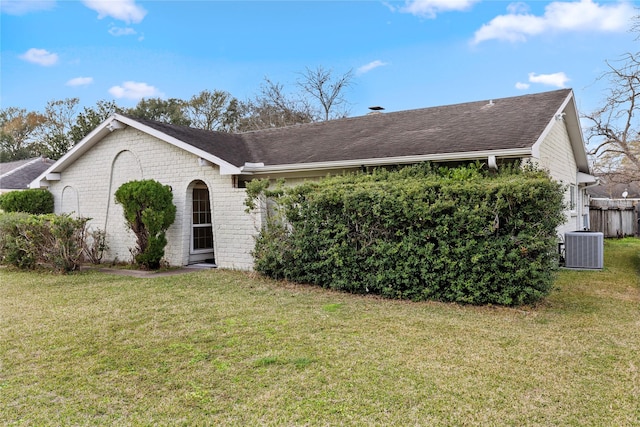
{"x": 202, "y": 238}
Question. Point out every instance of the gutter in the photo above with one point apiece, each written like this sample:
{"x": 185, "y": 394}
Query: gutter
{"x": 260, "y": 168}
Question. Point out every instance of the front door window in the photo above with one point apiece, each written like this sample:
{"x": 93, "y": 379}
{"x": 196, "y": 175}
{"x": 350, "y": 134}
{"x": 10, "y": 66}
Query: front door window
{"x": 202, "y": 232}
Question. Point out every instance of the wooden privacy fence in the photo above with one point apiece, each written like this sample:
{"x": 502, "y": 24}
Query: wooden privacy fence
{"x": 615, "y": 217}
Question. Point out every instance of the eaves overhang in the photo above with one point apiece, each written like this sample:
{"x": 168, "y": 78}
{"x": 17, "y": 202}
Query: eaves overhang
{"x": 586, "y": 179}
{"x": 568, "y": 112}
{"x": 117, "y": 122}
{"x": 226, "y": 168}
{"x": 260, "y": 169}
{"x": 104, "y": 129}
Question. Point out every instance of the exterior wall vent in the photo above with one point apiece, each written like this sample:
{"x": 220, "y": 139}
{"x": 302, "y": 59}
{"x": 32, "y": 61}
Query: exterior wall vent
{"x": 584, "y": 249}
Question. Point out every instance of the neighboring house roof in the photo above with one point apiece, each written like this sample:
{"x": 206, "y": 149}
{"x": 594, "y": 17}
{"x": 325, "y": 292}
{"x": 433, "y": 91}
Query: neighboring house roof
{"x": 506, "y": 127}
{"x": 611, "y": 187}
{"x": 19, "y": 174}
{"x": 9, "y": 166}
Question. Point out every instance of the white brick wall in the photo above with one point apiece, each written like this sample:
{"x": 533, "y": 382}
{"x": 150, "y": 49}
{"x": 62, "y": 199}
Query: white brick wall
{"x": 556, "y": 156}
{"x": 129, "y": 154}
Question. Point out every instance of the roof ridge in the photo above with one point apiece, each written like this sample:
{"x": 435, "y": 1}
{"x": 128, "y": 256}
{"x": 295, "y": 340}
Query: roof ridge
{"x": 323, "y": 122}
{"x": 457, "y": 104}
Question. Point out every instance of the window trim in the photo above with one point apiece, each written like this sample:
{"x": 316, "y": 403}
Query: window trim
{"x": 573, "y": 198}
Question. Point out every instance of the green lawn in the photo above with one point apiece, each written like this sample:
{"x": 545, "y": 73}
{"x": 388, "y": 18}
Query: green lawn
{"x": 231, "y": 348}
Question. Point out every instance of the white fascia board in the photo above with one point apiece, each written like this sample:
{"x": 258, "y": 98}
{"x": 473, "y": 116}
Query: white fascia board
{"x": 38, "y": 184}
{"x": 569, "y": 112}
{"x": 226, "y": 168}
{"x": 76, "y": 151}
{"x": 575, "y": 135}
{"x": 252, "y": 169}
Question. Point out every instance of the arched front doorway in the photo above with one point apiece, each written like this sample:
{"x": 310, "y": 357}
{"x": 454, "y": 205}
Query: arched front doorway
{"x": 201, "y": 241}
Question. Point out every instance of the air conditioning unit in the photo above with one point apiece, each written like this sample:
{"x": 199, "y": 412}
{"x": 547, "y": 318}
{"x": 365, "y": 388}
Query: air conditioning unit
{"x": 584, "y": 249}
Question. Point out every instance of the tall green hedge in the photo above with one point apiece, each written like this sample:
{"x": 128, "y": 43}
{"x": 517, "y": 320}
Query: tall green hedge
{"x": 33, "y": 201}
{"x": 421, "y": 233}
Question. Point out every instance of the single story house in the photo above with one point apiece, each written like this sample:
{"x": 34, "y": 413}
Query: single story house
{"x": 18, "y": 175}
{"x": 208, "y": 171}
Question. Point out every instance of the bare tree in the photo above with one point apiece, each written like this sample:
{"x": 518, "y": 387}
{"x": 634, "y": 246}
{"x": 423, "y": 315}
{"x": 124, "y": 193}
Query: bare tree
{"x": 327, "y": 89}
{"x": 274, "y": 108}
{"x": 615, "y": 127}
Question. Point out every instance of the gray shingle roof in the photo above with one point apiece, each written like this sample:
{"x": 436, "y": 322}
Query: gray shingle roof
{"x": 17, "y": 175}
{"x": 613, "y": 187}
{"x": 500, "y": 124}
{"x": 506, "y": 123}
{"x": 9, "y": 166}
{"x": 227, "y": 146}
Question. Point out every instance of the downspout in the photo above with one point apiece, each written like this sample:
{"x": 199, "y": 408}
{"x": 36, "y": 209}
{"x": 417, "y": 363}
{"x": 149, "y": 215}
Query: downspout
{"x": 584, "y": 188}
{"x": 492, "y": 163}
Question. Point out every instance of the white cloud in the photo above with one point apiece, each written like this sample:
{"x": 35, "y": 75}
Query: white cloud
{"x": 122, "y": 10}
{"x": 22, "y": 7}
{"x": 370, "y": 66}
{"x": 40, "y": 57}
{"x": 80, "y": 81}
{"x": 518, "y": 7}
{"x": 555, "y": 79}
{"x": 117, "y": 31}
{"x": 430, "y": 8}
{"x": 522, "y": 86}
{"x": 135, "y": 91}
{"x": 583, "y": 15}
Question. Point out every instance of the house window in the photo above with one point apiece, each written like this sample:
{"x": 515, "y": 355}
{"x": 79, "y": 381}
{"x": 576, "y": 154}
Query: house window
{"x": 573, "y": 194}
{"x": 202, "y": 231}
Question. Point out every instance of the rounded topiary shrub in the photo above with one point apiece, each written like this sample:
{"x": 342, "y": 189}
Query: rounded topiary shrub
{"x": 33, "y": 201}
{"x": 149, "y": 211}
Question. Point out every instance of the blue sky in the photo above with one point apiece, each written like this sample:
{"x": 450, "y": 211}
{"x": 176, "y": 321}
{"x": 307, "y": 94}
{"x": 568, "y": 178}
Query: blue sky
{"x": 404, "y": 54}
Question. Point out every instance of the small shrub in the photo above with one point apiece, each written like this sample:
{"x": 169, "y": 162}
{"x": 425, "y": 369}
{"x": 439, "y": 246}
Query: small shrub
{"x": 95, "y": 246}
{"x": 33, "y": 201}
{"x": 54, "y": 241}
{"x": 14, "y": 245}
{"x": 149, "y": 211}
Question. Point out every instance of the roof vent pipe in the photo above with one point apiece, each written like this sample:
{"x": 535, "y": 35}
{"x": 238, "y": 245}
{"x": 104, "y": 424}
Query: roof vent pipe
{"x": 375, "y": 109}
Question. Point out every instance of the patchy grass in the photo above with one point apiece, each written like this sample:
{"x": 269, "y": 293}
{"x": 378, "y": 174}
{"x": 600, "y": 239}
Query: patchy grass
{"x": 230, "y": 348}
